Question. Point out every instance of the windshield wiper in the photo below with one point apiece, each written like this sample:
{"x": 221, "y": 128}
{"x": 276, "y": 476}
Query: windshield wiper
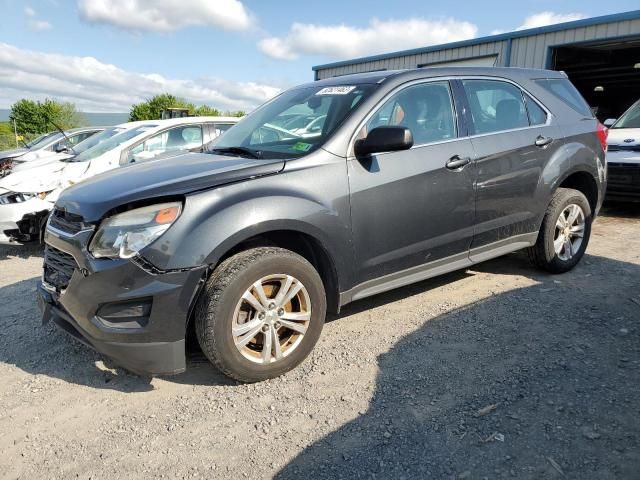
{"x": 239, "y": 151}
{"x": 65, "y": 137}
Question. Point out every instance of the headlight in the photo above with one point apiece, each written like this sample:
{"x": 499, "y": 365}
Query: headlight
{"x": 125, "y": 234}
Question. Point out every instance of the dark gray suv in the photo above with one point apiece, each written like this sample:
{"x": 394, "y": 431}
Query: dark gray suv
{"x": 329, "y": 193}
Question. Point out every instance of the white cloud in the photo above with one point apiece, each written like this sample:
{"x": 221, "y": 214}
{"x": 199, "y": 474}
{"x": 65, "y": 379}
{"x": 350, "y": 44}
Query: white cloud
{"x": 343, "y": 41}
{"x": 38, "y": 25}
{"x": 33, "y": 23}
{"x": 166, "y": 15}
{"x": 97, "y": 86}
{"x": 548, "y": 18}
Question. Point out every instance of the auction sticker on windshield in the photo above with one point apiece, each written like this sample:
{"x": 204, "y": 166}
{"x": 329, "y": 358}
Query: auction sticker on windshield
{"x": 343, "y": 90}
{"x": 302, "y": 147}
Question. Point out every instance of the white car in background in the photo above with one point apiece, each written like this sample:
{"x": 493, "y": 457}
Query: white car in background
{"x": 623, "y": 156}
{"x": 45, "y": 145}
{"x": 27, "y": 197}
{"x": 66, "y": 153}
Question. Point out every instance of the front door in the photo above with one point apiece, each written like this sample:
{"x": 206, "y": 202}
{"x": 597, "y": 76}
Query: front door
{"x": 408, "y": 208}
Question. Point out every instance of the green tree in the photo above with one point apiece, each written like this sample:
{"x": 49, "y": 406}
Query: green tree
{"x": 206, "y": 111}
{"x": 152, "y": 108}
{"x": 62, "y": 114}
{"x": 34, "y": 118}
{"x": 28, "y": 117}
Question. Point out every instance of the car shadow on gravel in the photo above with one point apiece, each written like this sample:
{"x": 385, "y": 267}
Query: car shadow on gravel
{"x": 537, "y": 382}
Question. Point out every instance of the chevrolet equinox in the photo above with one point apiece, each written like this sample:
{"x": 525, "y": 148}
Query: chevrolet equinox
{"x": 384, "y": 179}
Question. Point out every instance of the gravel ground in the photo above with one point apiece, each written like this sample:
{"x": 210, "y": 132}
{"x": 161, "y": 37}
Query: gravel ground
{"x": 496, "y": 372}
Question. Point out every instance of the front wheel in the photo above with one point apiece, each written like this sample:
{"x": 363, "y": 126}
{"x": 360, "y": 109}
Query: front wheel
{"x": 261, "y": 313}
{"x": 565, "y": 232}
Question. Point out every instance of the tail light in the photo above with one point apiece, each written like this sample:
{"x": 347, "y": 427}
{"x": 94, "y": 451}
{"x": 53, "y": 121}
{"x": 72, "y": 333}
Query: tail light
{"x": 602, "y": 132}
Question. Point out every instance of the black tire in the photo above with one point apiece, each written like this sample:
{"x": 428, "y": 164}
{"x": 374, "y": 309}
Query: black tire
{"x": 216, "y": 306}
{"x": 543, "y": 254}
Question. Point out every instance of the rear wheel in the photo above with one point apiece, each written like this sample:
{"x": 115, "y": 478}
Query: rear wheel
{"x": 565, "y": 232}
{"x": 261, "y": 313}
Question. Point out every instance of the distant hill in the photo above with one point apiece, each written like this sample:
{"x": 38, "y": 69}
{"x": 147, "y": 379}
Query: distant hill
{"x": 93, "y": 118}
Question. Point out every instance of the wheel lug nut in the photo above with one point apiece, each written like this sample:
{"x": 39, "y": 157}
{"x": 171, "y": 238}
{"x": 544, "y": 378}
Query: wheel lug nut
{"x": 261, "y": 316}
{"x": 272, "y": 306}
{"x": 281, "y": 311}
{"x": 265, "y": 327}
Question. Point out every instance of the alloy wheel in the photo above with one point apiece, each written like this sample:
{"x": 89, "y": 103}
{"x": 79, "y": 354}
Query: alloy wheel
{"x": 271, "y": 318}
{"x": 569, "y": 232}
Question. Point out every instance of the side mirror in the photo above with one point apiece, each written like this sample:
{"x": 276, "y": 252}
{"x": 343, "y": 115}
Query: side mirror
{"x": 142, "y": 156}
{"x": 62, "y": 149}
{"x": 384, "y": 139}
{"x": 609, "y": 121}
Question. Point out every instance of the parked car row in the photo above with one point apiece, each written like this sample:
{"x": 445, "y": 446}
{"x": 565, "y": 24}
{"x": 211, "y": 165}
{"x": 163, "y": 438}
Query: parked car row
{"x": 329, "y": 193}
{"x": 29, "y": 192}
{"x": 44, "y": 146}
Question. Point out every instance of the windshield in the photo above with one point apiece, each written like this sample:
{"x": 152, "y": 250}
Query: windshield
{"x": 630, "y": 118}
{"x": 94, "y": 140}
{"x": 293, "y": 124}
{"x": 43, "y": 140}
{"x": 111, "y": 143}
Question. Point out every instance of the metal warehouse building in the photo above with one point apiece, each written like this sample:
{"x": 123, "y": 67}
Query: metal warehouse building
{"x": 601, "y": 55}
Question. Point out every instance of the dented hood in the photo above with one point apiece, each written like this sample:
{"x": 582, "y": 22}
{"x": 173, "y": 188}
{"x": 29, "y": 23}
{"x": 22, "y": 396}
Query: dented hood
{"x": 177, "y": 175}
{"x": 40, "y": 178}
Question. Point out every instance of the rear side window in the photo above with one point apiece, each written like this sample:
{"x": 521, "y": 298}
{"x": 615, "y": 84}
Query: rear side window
{"x": 495, "y": 106}
{"x": 537, "y": 116}
{"x": 563, "y": 90}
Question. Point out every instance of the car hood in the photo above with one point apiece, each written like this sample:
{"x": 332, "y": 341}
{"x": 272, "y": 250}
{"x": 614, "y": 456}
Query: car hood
{"x": 624, "y": 136}
{"x": 177, "y": 175}
{"x": 39, "y": 178}
{"x": 16, "y": 152}
{"x": 20, "y": 165}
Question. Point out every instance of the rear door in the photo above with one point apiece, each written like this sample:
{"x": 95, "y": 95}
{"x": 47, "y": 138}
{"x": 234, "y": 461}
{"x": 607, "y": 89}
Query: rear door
{"x": 513, "y": 141}
{"x": 408, "y": 209}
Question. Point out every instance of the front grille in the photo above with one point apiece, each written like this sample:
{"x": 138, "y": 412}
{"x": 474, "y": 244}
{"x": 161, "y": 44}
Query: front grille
{"x": 624, "y": 148}
{"x": 58, "y": 267}
{"x": 67, "y": 222}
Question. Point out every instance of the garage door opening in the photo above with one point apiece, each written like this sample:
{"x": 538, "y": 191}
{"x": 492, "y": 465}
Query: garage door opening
{"x": 607, "y": 74}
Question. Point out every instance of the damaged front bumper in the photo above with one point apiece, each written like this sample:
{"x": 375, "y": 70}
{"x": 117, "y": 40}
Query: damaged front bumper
{"x": 22, "y": 220}
{"x": 135, "y": 316}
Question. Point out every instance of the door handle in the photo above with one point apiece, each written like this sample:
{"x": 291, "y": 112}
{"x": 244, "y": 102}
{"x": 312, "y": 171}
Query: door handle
{"x": 457, "y": 162}
{"x": 543, "y": 141}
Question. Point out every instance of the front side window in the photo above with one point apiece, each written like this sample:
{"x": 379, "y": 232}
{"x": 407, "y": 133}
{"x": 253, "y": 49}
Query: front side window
{"x": 111, "y": 143}
{"x": 426, "y": 109}
{"x": 183, "y": 137}
{"x": 495, "y": 106}
{"x": 71, "y": 140}
{"x": 220, "y": 128}
{"x": 293, "y": 124}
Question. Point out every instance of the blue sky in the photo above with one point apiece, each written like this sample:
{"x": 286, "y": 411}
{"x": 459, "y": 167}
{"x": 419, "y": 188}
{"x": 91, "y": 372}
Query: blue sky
{"x": 228, "y": 53}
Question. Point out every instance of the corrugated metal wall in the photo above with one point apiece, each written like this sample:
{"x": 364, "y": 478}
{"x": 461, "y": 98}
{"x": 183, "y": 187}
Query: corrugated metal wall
{"x": 530, "y": 52}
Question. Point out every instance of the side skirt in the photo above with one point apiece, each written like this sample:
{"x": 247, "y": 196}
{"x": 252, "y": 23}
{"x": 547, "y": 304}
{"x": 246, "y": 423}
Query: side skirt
{"x": 438, "y": 267}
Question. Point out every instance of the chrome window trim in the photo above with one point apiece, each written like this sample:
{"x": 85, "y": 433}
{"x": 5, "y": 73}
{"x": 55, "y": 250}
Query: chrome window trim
{"x": 550, "y": 116}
